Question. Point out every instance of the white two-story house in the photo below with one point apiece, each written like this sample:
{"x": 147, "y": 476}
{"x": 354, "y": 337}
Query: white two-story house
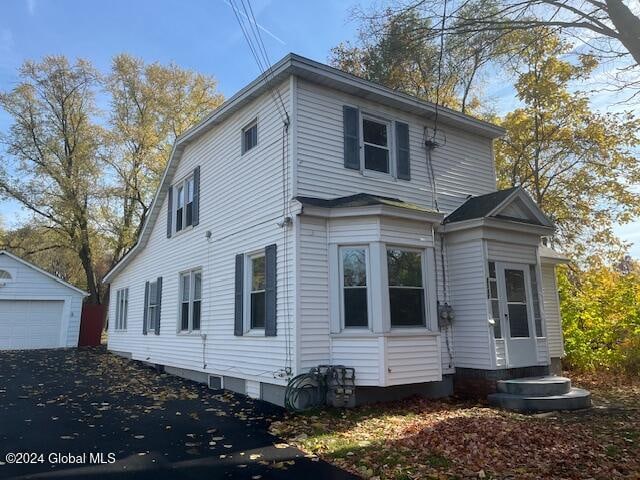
{"x": 315, "y": 218}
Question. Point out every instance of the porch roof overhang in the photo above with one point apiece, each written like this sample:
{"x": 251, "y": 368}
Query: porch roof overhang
{"x": 498, "y": 224}
{"x": 510, "y": 209}
{"x": 549, "y": 255}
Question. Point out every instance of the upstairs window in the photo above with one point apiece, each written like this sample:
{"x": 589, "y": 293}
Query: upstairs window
{"x": 353, "y": 266}
{"x": 406, "y": 288}
{"x": 249, "y": 136}
{"x": 184, "y": 192}
{"x": 375, "y": 136}
{"x": 190, "y": 300}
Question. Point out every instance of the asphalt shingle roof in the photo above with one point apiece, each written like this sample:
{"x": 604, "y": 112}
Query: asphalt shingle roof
{"x": 360, "y": 200}
{"x": 480, "y": 206}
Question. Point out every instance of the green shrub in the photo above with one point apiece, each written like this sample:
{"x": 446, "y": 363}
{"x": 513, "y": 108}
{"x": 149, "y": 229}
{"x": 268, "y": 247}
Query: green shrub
{"x": 601, "y": 318}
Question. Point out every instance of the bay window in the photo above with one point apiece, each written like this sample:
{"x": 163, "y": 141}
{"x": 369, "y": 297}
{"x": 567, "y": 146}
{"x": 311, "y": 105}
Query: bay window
{"x": 353, "y": 268}
{"x": 406, "y": 288}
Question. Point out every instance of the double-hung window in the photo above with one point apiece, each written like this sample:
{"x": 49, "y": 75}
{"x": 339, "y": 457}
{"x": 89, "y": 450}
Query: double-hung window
{"x": 184, "y": 192}
{"x": 249, "y": 136}
{"x": 494, "y": 302}
{"x": 375, "y": 139}
{"x": 190, "y": 300}
{"x": 406, "y": 287}
{"x": 354, "y": 296}
{"x": 257, "y": 291}
{"x": 122, "y": 305}
{"x": 152, "y": 306}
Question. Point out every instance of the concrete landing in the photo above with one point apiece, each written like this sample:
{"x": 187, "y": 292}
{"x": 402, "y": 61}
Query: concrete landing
{"x": 539, "y": 394}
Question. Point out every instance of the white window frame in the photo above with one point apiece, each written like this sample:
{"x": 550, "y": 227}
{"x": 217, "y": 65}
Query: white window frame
{"x": 190, "y": 301}
{"x": 122, "y": 307}
{"x": 151, "y": 318}
{"x": 248, "y": 126}
{"x": 425, "y": 285}
{"x": 367, "y": 261}
{"x": 248, "y": 290}
{"x": 390, "y": 144}
{"x": 187, "y": 185}
{"x": 494, "y": 322}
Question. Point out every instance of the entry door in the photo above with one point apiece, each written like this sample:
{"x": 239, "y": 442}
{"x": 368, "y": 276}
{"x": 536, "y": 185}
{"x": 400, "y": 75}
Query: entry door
{"x": 518, "y": 325}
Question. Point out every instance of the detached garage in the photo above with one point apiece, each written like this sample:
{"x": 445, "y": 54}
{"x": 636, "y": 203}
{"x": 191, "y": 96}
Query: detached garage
{"x": 37, "y": 309}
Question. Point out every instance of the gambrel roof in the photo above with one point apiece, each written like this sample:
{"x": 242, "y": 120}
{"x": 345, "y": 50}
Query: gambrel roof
{"x": 316, "y": 72}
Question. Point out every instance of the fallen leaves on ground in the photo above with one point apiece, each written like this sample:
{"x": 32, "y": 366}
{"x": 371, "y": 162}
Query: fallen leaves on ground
{"x": 419, "y": 438}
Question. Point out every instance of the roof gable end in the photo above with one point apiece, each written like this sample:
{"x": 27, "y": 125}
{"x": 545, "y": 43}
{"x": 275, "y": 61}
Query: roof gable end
{"x": 41, "y": 271}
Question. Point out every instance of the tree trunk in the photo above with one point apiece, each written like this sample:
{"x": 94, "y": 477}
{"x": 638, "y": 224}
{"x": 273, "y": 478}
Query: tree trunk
{"x": 627, "y": 25}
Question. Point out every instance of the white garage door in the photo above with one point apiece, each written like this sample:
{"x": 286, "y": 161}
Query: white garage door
{"x": 30, "y": 324}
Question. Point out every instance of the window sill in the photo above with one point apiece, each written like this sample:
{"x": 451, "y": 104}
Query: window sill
{"x": 378, "y": 175}
{"x": 182, "y": 232}
{"x": 396, "y": 332}
{"x": 194, "y": 333}
{"x": 255, "y": 332}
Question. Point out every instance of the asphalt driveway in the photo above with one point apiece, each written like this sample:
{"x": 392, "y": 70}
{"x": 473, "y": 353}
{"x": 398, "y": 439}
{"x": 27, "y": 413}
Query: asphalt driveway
{"x": 63, "y": 412}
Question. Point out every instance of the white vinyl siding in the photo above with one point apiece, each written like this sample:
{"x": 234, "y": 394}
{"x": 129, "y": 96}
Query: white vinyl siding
{"x": 241, "y": 192}
{"x": 512, "y": 252}
{"x": 471, "y": 329}
{"x": 551, "y": 308}
{"x": 463, "y": 166}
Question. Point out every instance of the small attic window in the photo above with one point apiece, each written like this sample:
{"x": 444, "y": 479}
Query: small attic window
{"x": 5, "y": 277}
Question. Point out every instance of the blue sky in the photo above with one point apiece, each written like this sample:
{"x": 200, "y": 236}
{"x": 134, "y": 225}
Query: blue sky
{"x": 202, "y": 35}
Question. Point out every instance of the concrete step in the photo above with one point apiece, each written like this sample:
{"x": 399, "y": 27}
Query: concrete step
{"x": 536, "y": 386}
{"x": 575, "y": 399}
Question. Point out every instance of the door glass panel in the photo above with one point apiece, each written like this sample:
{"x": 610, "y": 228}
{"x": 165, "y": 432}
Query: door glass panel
{"x": 518, "y": 322}
{"x": 515, "y": 285}
{"x": 517, "y": 303}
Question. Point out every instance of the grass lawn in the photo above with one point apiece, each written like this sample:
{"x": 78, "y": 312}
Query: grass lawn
{"x": 421, "y": 439}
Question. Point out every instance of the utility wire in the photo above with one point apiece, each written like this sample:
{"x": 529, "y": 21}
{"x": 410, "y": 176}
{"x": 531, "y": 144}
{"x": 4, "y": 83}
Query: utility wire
{"x": 249, "y": 31}
{"x": 262, "y": 48}
{"x": 440, "y": 56}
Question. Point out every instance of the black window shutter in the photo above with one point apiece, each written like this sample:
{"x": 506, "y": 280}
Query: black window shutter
{"x": 238, "y": 328}
{"x": 169, "y": 211}
{"x": 351, "y": 137}
{"x": 271, "y": 266}
{"x": 146, "y": 308}
{"x": 402, "y": 151}
{"x": 196, "y": 196}
{"x": 159, "y": 304}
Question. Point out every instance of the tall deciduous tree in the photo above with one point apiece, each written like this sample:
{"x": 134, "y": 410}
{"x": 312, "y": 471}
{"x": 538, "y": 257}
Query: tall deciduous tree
{"x": 395, "y": 51}
{"x": 579, "y": 165}
{"x": 610, "y": 27}
{"x": 151, "y": 105}
{"x": 54, "y": 149}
